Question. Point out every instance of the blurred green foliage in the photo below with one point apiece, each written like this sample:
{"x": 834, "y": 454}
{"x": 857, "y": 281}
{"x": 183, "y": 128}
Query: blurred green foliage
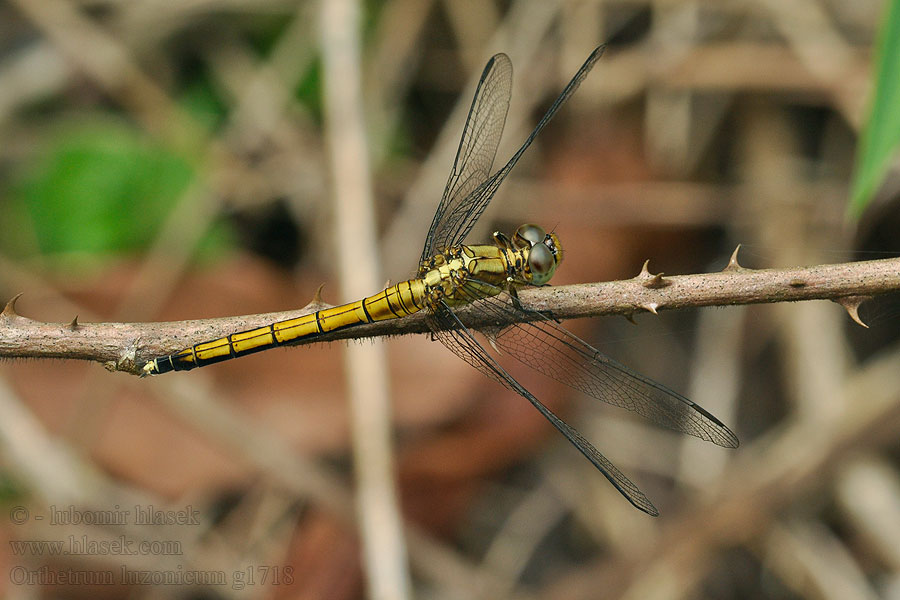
{"x": 309, "y": 92}
{"x": 11, "y": 490}
{"x": 204, "y": 105}
{"x": 97, "y": 185}
{"x": 101, "y": 187}
{"x": 881, "y": 137}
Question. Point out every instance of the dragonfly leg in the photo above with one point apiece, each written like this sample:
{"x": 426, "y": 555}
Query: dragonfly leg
{"x": 502, "y": 240}
{"x": 517, "y": 304}
{"x": 549, "y": 314}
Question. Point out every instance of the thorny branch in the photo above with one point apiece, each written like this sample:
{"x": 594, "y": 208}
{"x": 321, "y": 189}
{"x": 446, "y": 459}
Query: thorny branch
{"x": 127, "y": 346}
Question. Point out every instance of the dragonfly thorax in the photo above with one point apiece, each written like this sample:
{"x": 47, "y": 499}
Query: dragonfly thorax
{"x": 446, "y": 273}
{"x": 530, "y": 257}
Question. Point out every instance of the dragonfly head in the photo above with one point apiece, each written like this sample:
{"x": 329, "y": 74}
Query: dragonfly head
{"x": 544, "y": 252}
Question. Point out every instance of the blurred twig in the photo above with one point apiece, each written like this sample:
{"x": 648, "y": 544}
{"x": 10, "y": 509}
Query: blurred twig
{"x": 366, "y": 367}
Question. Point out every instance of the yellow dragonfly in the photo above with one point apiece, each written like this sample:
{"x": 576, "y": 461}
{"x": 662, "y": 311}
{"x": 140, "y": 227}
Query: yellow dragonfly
{"x": 452, "y": 274}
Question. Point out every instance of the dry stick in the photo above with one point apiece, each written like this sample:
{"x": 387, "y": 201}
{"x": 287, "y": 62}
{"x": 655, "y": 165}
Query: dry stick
{"x": 127, "y": 346}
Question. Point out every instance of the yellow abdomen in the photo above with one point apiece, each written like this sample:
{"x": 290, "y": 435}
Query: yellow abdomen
{"x": 396, "y": 301}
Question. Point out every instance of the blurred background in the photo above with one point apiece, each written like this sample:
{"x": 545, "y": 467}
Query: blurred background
{"x": 170, "y": 161}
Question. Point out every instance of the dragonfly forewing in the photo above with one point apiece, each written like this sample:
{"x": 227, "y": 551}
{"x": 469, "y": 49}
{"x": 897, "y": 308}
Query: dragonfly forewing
{"x": 457, "y": 212}
{"x": 476, "y": 152}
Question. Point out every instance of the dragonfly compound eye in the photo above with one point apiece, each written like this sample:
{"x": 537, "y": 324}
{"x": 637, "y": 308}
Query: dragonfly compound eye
{"x": 542, "y": 264}
{"x": 529, "y": 235}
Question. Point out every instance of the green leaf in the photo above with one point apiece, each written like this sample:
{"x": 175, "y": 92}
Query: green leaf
{"x": 881, "y": 137}
{"x": 100, "y": 188}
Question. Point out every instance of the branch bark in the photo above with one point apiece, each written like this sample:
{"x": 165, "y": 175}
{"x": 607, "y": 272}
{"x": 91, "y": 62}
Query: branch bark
{"x": 127, "y": 346}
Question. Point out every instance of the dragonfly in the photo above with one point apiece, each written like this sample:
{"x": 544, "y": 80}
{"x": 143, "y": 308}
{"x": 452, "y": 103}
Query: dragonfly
{"x": 487, "y": 278}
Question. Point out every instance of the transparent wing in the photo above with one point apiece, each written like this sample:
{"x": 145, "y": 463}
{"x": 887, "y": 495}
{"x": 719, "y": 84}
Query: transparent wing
{"x": 453, "y": 334}
{"x": 549, "y": 348}
{"x": 458, "y": 213}
{"x": 477, "y": 147}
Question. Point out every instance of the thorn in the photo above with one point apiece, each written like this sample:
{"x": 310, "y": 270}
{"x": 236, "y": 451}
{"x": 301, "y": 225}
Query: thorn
{"x": 317, "y": 297}
{"x": 649, "y": 279}
{"x": 645, "y": 270}
{"x": 10, "y": 309}
{"x": 630, "y": 317}
{"x": 655, "y": 282}
{"x": 651, "y": 307}
{"x": 74, "y": 324}
{"x": 851, "y": 305}
{"x": 316, "y": 303}
{"x": 733, "y": 264}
